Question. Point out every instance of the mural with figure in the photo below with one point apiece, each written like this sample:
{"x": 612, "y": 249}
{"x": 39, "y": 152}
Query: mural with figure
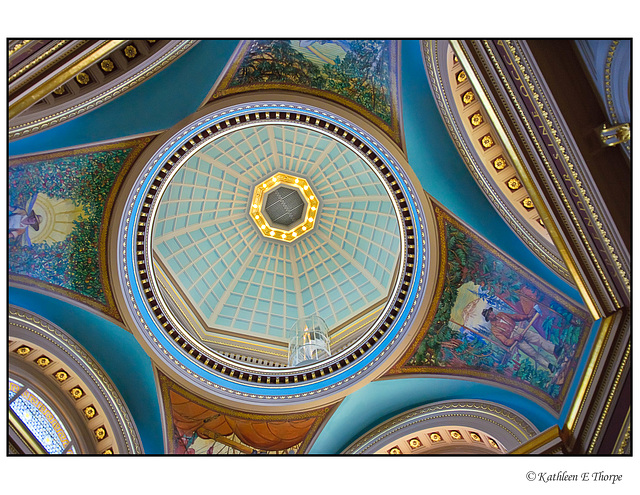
{"x": 494, "y": 320}
{"x": 59, "y": 206}
{"x": 361, "y": 74}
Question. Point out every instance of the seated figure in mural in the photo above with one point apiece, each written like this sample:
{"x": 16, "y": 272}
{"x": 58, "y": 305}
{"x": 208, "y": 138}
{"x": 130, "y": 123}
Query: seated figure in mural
{"x": 507, "y": 330}
{"x": 20, "y": 220}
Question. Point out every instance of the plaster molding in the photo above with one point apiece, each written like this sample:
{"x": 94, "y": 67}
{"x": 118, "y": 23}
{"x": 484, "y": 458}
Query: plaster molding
{"x": 587, "y": 238}
{"x": 35, "y": 119}
{"x": 239, "y": 383}
{"x": 439, "y": 65}
{"x": 81, "y": 371}
{"x": 491, "y": 421}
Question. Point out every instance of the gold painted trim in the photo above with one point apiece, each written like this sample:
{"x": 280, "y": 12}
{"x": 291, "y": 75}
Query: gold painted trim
{"x": 561, "y": 149}
{"x": 538, "y": 442}
{"x": 589, "y": 373}
{"x": 607, "y": 406}
{"x": 88, "y": 375}
{"x": 41, "y": 91}
{"x": 25, "y": 435}
{"x": 35, "y": 62}
{"x": 82, "y": 106}
{"x": 258, "y": 203}
{"x": 17, "y": 46}
{"x": 527, "y": 180}
{"x": 481, "y": 167}
{"x": 508, "y": 421}
{"x": 622, "y": 441}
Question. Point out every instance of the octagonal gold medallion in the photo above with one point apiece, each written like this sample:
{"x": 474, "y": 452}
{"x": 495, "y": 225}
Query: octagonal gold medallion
{"x": 284, "y": 207}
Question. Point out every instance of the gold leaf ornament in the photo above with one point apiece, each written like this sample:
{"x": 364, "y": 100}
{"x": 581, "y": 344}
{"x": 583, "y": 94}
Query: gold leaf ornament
{"x": 83, "y": 78}
{"x": 107, "y": 65}
{"x": 130, "y": 51}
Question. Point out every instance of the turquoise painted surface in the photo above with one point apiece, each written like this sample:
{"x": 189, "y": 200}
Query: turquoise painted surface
{"x": 442, "y": 173}
{"x": 379, "y": 401}
{"x": 155, "y": 105}
{"x": 116, "y": 350}
{"x": 239, "y": 280}
{"x": 178, "y": 91}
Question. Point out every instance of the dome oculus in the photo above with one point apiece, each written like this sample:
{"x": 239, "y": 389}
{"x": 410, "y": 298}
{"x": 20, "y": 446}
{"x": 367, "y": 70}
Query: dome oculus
{"x": 284, "y": 207}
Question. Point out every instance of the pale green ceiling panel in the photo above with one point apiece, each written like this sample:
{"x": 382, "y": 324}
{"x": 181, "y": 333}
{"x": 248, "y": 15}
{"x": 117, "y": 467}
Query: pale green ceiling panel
{"x": 239, "y": 280}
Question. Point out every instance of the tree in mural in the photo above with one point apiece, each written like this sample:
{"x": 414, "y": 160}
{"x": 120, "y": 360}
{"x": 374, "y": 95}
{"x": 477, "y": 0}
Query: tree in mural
{"x": 540, "y": 336}
{"x": 86, "y": 180}
{"x": 275, "y": 61}
{"x": 361, "y": 76}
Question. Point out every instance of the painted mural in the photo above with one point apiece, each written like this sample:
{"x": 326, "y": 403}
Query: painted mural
{"x": 361, "y": 74}
{"x": 196, "y": 426}
{"x": 494, "y": 320}
{"x": 59, "y": 207}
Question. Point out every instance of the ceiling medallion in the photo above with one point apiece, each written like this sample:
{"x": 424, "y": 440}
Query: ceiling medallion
{"x": 284, "y": 207}
{"x": 235, "y": 380}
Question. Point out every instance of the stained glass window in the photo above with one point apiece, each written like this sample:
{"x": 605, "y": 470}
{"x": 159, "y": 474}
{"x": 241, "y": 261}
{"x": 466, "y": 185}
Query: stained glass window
{"x": 14, "y": 388}
{"x": 38, "y": 417}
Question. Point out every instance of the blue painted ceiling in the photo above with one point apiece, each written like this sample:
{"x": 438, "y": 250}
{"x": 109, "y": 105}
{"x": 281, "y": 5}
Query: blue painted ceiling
{"x": 177, "y": 92}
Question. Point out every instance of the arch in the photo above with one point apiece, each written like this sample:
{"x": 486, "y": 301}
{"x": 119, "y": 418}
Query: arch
{"x": 455, "y": 426}
{"x": 49, "y": 361}
{"x": 245, "y": 385}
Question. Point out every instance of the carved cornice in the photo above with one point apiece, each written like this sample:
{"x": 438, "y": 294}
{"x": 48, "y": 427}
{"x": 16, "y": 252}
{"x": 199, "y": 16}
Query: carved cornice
{"x": 601, "y": 385}
{"x": 623, "y": 444}
{"x": 68, "y": 366}
{"x": 106, "y": 76}
{"x": 561, "y": 174}
{"x": 488, "y": 176}
{"x": 496, "y": 422}
{"x": 240, "y": 383}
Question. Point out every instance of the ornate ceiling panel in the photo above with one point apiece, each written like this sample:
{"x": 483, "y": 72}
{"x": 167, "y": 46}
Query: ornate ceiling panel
{"x": 492, "y": 319}
{"x": 237, "y": 279}
{"x": 52, "y": 83}
{"x": 360, "y": 74}
{"x": 448, "y": 427}
{"x": 52, "y": 362}
{"x": 488, "y": 155}
{"x": 71, "y": 194}
{"x": 192, "y": 259}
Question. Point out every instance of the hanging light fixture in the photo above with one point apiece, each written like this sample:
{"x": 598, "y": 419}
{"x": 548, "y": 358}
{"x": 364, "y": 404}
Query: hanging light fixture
{"x": 308, "y": 341}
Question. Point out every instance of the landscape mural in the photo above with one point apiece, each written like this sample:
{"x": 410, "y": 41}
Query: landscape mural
{"x": 58, "y": 209}
{"x": 494, "y": 320}
{"x": 361, "y": 74}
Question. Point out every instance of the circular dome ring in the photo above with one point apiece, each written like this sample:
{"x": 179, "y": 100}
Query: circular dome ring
{"x": 230, "y": 378}
{"x": 260, "y": 206}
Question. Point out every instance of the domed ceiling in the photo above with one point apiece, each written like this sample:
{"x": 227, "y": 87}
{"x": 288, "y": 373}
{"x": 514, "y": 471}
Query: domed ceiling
{"x": 219, "y": 263}
{"x": 213, "y": 256}
{"x": 204, "y": 280}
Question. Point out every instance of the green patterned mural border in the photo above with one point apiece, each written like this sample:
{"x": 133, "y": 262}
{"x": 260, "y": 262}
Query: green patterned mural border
{"x": 407, "y": 365}
{"x": 97, "y": 292}
{"x": 390, "y": 124}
